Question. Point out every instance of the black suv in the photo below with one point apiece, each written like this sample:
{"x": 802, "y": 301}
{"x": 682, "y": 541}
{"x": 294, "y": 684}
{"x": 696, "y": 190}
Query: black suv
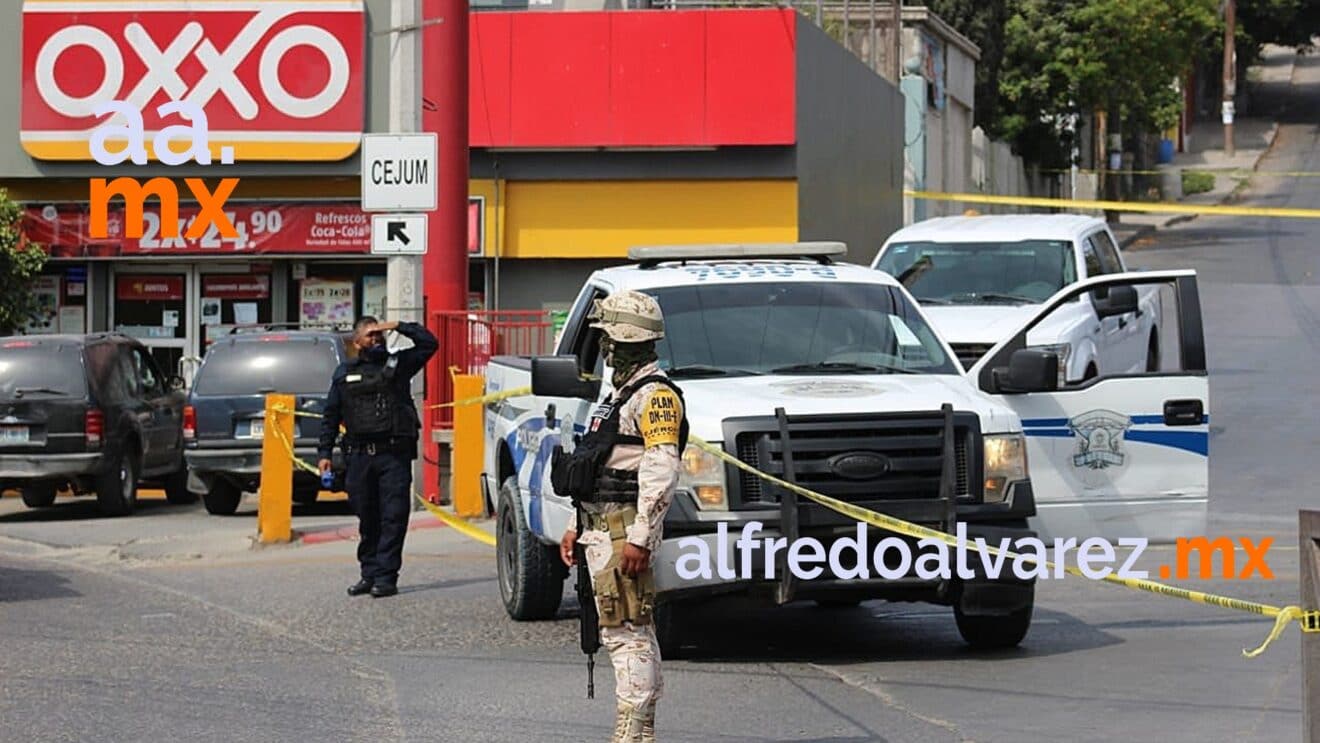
{"x": 91, "y": 412}
{"x": 225, "y": 417}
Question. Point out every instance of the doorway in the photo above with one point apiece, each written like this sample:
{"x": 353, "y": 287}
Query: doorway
{"x": 150, "y": 303}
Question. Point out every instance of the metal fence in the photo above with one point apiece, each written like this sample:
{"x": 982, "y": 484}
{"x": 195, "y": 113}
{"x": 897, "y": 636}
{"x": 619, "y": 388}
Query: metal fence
{"x": 468, "y": 340}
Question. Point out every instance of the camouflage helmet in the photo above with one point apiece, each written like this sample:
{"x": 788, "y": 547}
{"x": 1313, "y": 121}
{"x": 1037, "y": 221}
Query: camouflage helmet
{"x": 629, "y": 317}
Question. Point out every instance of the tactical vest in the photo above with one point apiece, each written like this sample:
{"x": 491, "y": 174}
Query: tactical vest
{"x": 371, "y": 406}
{"x": 583, "y": 476}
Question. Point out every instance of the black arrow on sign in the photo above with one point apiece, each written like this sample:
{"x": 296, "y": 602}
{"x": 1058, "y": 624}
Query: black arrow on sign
{"x": 394, "y": 231}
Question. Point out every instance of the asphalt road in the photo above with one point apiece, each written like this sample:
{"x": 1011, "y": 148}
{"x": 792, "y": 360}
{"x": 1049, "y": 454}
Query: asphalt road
{"x": 169, "y": 626}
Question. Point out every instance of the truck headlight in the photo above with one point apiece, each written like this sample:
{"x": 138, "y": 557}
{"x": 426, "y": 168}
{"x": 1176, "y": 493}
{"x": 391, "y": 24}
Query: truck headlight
{"x": 1005, "y": 463}
{"x": 702, "y": 474}
{"x": 1063, "y": 351}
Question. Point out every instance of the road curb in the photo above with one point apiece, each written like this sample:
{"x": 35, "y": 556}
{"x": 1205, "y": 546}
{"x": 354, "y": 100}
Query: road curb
{"x": 349, "y": 532}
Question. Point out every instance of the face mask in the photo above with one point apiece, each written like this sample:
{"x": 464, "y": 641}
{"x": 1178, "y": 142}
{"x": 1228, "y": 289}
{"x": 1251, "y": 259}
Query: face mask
{"x": 374, "y": 354}
{"x": 607, "y": 349}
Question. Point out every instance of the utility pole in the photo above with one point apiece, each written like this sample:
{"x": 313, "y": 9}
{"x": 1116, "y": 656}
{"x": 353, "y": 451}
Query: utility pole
{"x": 403, "y": 273}
{"x": 898, "y": 42}
{"x": 1230, "y": 73}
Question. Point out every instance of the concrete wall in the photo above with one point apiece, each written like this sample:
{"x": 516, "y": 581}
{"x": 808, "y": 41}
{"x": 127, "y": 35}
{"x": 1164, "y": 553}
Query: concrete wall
{"x": 850, "y": 147}
{"x": 15, "y": 163}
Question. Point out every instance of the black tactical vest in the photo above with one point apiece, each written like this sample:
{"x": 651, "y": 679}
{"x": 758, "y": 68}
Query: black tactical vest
{"x": 371, "y": 407}
{"x": 583, "y": 476}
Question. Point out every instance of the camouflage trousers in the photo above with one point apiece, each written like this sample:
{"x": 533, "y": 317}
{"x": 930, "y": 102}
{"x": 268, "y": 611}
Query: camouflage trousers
{"x": 632, "y": 645}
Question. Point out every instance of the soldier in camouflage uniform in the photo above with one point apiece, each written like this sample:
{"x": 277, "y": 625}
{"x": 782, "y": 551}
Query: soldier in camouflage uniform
{"x": 621, "y": 539}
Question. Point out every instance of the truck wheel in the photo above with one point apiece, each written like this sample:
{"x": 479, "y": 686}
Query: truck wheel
{"x": 176, "y": 487}
{"x": 993, "y": 632}
{"x": 38, "y": 494}
{"x": 1153, "y": 354}
{"x": 306, "y": 496}
{"x": 116, "y": 489}
{"x": 531, "y": 574}
{"x": 223, "y": 498}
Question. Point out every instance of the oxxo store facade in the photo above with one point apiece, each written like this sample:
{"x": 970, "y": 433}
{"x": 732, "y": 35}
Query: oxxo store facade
{"x": 290, "y": 86}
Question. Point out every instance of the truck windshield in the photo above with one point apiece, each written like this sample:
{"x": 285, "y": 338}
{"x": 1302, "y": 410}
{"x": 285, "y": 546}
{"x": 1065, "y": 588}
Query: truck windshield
{"x": 800, "y": 327}
{"x": 37, "y": 370}
{"x": 981, "y": 273}
{"x": 255, "y": 367}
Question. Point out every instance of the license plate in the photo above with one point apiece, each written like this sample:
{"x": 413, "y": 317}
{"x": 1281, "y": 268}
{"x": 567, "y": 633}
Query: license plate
{"x": 13, "y": 435}
{"x": 257, "y": 428}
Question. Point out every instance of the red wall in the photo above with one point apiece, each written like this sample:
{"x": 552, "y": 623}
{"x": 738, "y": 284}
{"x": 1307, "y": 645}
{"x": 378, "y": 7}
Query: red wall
{"x": 632, "y": 78}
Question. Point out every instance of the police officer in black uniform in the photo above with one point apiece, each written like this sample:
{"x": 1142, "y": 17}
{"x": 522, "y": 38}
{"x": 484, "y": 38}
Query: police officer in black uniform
{"x": 372, "y": 397}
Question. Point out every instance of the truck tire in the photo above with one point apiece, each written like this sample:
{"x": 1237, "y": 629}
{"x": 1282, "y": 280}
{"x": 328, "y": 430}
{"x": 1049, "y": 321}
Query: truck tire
{"x": 306, "y": 495}
{"x": 531, "y": 575}
{"x": 38, "y": 494}
{"x": 223, "y": 498}
{"x": 116, "y": 488}
{"x": 993, "y": 632}
{"x": 176, "y": 487}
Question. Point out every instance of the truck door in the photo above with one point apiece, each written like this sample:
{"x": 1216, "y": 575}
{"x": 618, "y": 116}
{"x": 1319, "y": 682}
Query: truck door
{"x": 1124, "y": 454}
{"x": 548, "y": 513}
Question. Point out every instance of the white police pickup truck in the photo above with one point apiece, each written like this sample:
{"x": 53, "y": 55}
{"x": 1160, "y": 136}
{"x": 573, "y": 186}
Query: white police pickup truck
{"x": 830, "y": 375}
{"x": 978, "y": 278}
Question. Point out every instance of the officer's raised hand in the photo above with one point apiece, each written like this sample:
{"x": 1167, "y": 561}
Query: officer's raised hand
{"x": 566, "y": 546}
{"x": 634, "y": 560}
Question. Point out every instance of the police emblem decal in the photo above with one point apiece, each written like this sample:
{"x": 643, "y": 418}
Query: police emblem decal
{"x": 1099, "y": 439}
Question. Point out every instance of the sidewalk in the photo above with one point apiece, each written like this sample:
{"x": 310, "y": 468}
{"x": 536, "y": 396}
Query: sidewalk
{"x": 1252, "y": 138}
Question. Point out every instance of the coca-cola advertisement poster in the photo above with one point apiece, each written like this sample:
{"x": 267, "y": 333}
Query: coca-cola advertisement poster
{"x": 262, "y": 229}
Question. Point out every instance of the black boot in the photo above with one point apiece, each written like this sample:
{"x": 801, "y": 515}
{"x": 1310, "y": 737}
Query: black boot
{"x": 381, "y": 590}
{"x": 361, "y": 587}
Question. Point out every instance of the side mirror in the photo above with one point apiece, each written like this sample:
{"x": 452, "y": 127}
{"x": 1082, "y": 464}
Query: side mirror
{"x": 558, "y": 376}
{"x": 1114, "y": 300}
{"x": 175, "y": 383}
{"x": 1029, "y": 370}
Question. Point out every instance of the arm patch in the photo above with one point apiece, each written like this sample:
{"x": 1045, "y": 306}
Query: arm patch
{"x": 660, "y": 418}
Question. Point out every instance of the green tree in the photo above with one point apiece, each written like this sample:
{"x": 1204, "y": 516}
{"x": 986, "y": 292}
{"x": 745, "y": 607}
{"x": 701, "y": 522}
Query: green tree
{"x": 1063, "y": 57}
{"x": 20, "y": 264}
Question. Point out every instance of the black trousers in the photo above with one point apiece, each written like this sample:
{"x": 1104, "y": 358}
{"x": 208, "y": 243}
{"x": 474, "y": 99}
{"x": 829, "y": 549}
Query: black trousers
{"x": 379, "y": 488}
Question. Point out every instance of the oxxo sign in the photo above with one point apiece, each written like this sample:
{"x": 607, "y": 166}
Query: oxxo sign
{"x": 277, "y": 79}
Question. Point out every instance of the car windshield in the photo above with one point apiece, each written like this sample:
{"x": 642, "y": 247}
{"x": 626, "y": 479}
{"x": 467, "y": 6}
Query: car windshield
{"x": 795, "y": 328}
{"x": 30, "y": 369}
{"x": 300, "y": 367}
{"x": 1023, "y": 272}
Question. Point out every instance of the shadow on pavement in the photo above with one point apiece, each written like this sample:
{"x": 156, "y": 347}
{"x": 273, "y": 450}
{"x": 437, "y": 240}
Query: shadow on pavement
{"x": 33, "y": 585}
{"x": 84, "y": 508}
{"x": 871, "y": 632}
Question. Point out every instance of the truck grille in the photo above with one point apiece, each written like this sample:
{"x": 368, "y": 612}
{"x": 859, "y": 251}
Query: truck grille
{"x": 909, "y": 446}
{"x": 970, "y": 353}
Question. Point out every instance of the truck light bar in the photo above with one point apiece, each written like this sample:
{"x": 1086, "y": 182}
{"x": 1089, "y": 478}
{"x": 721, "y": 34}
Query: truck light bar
{"x": 651, "y": 255}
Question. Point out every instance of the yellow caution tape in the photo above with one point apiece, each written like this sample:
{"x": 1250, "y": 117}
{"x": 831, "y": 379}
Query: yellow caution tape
{"x": 1308, "y": 620}
{"x": 454, "y": 522}
{"x": 1162, "y": 207}
{"x": 1180, "y": 169}
{"x": 1282, "y": 615}
{"x": 457, "y": 524}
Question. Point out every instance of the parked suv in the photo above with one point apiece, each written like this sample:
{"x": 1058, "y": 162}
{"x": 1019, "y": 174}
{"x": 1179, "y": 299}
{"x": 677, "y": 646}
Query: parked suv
{"x": 91, "y": 412}
{"x": 224, "y": 420}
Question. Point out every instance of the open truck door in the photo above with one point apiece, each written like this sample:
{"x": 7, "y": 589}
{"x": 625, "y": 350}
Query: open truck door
{"x": 1119, "y": 454}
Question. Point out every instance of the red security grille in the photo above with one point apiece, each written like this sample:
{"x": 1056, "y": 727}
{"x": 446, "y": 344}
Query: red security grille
{"x": 468, "y": 340}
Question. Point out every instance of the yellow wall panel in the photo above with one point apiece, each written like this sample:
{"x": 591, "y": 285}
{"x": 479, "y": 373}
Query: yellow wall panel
{"x": 602, "y": 219}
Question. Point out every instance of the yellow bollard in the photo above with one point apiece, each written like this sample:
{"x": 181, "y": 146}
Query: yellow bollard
{"x": 469, "y": 446}
{"x": 275, "y": 505}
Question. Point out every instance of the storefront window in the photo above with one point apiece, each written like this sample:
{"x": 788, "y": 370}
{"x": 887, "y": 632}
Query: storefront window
{"x": 229, "y": 300}
{"x": 153, "y": 308}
